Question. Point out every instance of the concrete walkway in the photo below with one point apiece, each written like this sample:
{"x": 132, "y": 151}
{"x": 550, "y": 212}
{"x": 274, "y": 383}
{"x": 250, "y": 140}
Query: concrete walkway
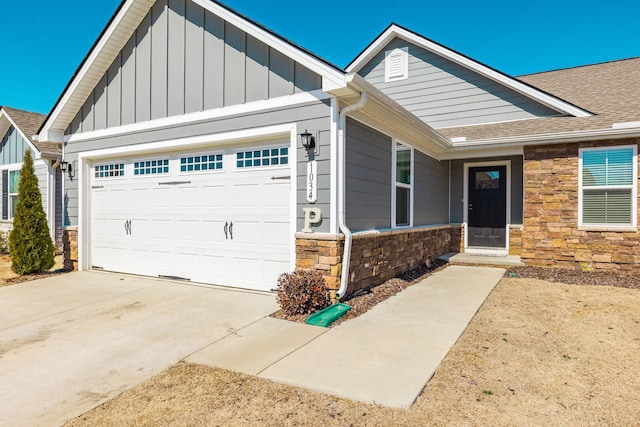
{"x": 72, "y": 342}
{"x": 385, "y": 356}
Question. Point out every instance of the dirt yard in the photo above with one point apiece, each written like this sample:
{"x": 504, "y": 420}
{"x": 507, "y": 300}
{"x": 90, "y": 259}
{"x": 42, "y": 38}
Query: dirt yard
{"x": 537, "y": 353}
{"x": 8, "y": 277}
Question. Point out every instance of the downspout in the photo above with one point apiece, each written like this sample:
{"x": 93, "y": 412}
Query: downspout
{"x": 342, "y": 152}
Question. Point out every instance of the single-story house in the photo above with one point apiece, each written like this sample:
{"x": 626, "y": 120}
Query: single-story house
{"x": 16, "y": 129}
{"x": 208, "y": 148}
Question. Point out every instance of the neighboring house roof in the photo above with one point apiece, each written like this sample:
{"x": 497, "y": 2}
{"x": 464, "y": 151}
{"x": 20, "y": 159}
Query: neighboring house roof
{"x": 27, "y": 124}
{"x": 610, "y": 90}
{"x": 396, "y": 31}
{"x": 122, "y": 25}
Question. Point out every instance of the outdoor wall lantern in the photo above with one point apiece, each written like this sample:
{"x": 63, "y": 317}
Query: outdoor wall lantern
{"x": 308, "y": 141}
{"x": 67, "y": 167}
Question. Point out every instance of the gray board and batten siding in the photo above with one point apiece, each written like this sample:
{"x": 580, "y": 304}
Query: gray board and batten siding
{"x": 517, "y": 185}
{"x": 12, "y": 147}
{"x": 312, "y": 115}
{"x": 184, "y": 59}
{"x": 445, "y": 94}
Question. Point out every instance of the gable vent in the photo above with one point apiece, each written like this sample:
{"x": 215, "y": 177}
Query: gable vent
{"x": 396, "y": 64}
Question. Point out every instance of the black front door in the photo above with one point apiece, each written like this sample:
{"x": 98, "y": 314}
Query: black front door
{"x": 487, "y": 219}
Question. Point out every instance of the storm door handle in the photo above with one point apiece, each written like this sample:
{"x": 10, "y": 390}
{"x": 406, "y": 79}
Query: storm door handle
{"x": 231, "y": 230}
{"x": 226, "y": 231}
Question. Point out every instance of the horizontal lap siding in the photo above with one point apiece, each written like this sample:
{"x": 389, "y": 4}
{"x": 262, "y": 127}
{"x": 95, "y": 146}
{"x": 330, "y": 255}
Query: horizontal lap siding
{"x": 42, "y": 173}
{"x": 313, "y": 116}
{"x": 368, "y": 177}
{"x": 431, "y": 191}
{"x": 184, "y": 59}
{"x": 445, "y": 94}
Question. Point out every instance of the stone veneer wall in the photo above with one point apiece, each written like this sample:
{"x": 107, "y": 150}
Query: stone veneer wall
{"x": 322, "y": 252}
{"x": 515, "y": 241}
{"x": 551, "y": 237}
{"x": 375, "y": 256}
{"x": 70, "y": 248}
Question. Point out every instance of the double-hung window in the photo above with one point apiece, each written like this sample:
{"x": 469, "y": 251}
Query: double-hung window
{"x": 608, "y": 187}
{"x": 403, "y": 185}
{"x": 14, "y": 184}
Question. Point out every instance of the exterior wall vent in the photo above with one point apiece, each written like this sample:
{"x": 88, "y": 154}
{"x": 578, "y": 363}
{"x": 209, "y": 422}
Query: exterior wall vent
{"x": 396, "y": 64}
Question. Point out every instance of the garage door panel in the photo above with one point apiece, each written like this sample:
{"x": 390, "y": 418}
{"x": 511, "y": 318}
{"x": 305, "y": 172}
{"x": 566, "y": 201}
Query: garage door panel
{"x": 276, "y": 235}
{"x": 178, "y": 223}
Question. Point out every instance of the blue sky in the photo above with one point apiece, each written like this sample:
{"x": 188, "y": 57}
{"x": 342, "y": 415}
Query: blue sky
{"x": 44, "y": 41}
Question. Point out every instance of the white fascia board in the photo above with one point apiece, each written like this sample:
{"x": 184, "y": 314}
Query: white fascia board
{"x": 373, "y": 49}
{"x": 185, "y": 119}
{"x": 331, "y": 77}
{"x": 518, "y": 86}
{"x": 362, "y": 85}
{"x": 496, "y": 145}
{"x": 5, "y": 115}
{"x": 48, "y": 133}
{"x": 492, "y": 152}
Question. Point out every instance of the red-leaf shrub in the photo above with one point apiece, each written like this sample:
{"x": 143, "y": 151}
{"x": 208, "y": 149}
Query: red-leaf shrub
{"x": 302, "y": 292}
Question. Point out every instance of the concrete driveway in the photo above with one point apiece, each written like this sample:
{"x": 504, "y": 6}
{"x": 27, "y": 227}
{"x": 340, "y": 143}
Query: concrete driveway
{"x": 71, "y": 342}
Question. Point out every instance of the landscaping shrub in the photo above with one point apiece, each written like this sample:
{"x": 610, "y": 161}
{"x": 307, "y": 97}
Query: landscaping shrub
{"x": 30, "y": 245}
{"x": 302, "y": 292}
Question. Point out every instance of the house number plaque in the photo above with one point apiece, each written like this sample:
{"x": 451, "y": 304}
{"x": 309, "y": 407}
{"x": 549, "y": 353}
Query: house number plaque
{"x": 312, "y": 181}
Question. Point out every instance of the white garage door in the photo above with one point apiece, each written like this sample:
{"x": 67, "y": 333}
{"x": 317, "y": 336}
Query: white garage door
{"x": 219, "y": 216}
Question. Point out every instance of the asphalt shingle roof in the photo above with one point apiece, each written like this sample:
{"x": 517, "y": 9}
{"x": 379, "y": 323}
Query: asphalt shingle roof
{"x": 611, "y": 91}
{"x": 29, "y": 123}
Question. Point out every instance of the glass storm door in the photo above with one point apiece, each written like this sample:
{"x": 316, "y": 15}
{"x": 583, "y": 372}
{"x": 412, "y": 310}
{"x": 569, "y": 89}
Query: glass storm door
{"x": 487, "y": 208}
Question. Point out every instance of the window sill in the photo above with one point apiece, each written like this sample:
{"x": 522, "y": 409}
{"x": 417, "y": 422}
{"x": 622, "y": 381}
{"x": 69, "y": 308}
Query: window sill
{"x": 622, "y": 229}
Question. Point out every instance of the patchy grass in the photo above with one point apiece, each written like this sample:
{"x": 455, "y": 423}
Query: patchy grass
{"x": 8, "y": 277}
{"x": 571, "y": 358}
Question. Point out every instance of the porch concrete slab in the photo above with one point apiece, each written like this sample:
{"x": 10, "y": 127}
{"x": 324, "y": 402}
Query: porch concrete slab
{"x": 387, "y": 355}
{"x": 77, "y": 340}
{"x": 475, "y": 259}
{"x": 253, "y": 349}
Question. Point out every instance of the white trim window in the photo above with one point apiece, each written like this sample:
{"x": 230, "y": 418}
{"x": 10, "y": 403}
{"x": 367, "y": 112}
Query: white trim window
{"x": 402, "y": 195}
{"x": 109, "y": 170}
{"x": 14, "y": 184}
{"x": 608, "y": 178}
{"x": 151, "y": 167}
{"x": 396, "y": 64}
{"x": 262, "y": 157}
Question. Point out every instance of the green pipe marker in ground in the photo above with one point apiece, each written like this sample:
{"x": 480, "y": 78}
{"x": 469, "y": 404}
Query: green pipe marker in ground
{"x": 328, "y": 315}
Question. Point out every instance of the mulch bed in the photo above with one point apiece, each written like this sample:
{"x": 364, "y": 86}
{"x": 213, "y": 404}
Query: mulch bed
{"x": 575, "y": 277}
{"x": 30, "y": 277}
{"x": 363, "y": 300}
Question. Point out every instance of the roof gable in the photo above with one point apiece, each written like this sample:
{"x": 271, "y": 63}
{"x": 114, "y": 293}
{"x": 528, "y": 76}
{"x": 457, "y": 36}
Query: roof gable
{"x": 26, "y": 125}
{"x": 123, "y": 25}
{"x": 396, "y": 32}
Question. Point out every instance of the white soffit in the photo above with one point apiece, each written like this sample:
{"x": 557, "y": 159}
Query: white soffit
{"x": 395, "y": 31}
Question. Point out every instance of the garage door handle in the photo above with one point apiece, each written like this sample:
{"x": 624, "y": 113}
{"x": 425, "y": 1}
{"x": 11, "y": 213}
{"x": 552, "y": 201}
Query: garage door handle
{"x": 231, "y": 230}
{"x": 127, "y": 227}
{"x": 226, "y": 230}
